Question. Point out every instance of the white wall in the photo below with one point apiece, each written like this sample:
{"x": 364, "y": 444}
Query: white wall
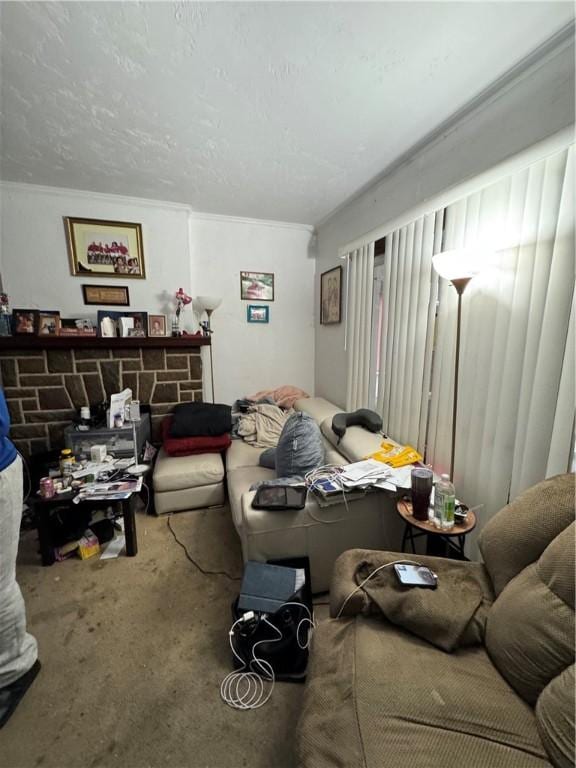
{"x": 250, "y": 356}
{"x": 203, "y": 255}
{"x": 537, "y": 104}
{"x": 34, "y": 260}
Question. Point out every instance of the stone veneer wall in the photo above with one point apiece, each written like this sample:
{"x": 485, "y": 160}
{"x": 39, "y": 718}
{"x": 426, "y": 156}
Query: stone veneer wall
{"x": 45, "y": 388}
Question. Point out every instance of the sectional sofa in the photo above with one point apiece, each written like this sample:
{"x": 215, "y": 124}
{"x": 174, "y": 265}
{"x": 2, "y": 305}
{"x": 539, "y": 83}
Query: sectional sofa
{"x": 320, "y": 534}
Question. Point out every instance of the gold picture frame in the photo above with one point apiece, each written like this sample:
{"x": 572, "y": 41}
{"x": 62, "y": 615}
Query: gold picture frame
{"x": 101, "y": 248}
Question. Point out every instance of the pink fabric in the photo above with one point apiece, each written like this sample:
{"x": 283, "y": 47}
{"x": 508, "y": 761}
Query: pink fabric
{"x": 284, "y": 396}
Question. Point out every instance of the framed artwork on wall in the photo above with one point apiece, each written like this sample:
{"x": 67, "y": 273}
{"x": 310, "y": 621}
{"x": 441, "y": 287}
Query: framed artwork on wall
{"x": 105, "y": 248}
{"x": 258, "y": 314}
{"x": 331, "y": 296}
{"x": 106, "y": 294}
{"x": 257, "y": 285}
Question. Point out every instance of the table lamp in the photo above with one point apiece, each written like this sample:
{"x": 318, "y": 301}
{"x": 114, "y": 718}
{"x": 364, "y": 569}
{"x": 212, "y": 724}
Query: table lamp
{"x": 459, "y": 267}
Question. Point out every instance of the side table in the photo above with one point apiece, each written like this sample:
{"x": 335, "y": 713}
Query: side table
{"x": 438, "y": 542}
{"x": 42, "y": 508}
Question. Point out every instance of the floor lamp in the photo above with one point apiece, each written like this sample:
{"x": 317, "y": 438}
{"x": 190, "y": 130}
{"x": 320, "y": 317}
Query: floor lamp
{"x": 459, "y": 267}
{"x": 208, "y": 304}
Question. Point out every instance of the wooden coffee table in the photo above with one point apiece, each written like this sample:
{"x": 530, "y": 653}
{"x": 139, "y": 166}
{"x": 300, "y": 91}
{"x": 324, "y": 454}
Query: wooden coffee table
{"x": 438, "y": 542}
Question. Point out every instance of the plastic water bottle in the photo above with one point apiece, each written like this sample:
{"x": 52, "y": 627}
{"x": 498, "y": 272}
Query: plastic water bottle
{"x": 444, "y": 503}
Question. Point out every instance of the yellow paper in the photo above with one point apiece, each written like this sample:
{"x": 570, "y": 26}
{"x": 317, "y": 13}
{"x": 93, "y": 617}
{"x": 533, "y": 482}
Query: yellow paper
{"x": 396, "y": 455}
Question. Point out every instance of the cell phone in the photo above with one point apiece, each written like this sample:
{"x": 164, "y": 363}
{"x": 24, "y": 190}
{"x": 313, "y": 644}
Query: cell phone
{"x": 416, "y": 576}
{"x": 280, "y": 497}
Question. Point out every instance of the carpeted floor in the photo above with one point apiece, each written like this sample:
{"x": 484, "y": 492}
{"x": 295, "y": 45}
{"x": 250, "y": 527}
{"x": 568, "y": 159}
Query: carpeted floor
{"x": 133, "y": 652}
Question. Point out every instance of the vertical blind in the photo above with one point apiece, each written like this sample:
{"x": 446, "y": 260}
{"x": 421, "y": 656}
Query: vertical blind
{"x": 409, "y": 289}
{"x": 359, "y": 325}
{"x": 516, "y": 388}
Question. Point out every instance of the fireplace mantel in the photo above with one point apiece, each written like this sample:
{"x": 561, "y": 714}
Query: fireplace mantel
{"x": 102, "y": 342}
{"x": 47, "y": 379}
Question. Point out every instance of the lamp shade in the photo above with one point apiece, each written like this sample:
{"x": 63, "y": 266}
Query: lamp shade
{"x": 457, "y": 264}
{"x": 208, "y": 303}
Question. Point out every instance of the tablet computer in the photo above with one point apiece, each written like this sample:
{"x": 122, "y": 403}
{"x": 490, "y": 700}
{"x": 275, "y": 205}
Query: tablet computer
{"x": 280, "y": 497}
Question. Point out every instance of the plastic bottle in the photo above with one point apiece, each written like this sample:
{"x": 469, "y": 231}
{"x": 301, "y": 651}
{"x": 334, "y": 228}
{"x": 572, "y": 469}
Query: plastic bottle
{"x": 66, "y": 461}
{"x": 444, "y": 502}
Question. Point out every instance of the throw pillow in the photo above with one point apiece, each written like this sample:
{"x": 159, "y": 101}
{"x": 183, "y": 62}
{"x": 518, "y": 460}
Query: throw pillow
{"x": 190, "y": 446}
{"x": 300, "y": 447}
{"x": 268, "y": 458}
{"x": 201, "y": 420}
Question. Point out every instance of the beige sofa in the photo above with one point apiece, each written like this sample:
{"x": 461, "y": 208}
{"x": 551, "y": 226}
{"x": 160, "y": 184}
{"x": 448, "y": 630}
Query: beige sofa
{"x": 378, "y": 696}
{"x": 320, "y": 534}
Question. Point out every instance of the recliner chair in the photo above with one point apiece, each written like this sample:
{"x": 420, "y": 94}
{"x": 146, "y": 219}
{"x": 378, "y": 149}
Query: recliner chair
{"x": 379, "y": 696}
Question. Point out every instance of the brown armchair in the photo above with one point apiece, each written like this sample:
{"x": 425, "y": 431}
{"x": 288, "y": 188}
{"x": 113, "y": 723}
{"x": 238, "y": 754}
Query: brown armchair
{"x": 378, "y": 695}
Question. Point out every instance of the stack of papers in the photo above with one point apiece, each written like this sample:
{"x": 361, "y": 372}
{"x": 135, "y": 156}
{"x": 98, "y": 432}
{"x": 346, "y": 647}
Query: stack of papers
{"x": 363, "y": 473}
{"x": 118, "y": 491}
{"x": 372, "y": 473}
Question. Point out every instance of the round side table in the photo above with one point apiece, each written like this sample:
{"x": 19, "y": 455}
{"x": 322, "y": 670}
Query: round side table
{"x": 438, "y": 542}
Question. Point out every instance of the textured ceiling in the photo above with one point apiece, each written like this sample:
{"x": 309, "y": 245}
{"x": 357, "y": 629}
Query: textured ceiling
{"x": 268, "y": 110}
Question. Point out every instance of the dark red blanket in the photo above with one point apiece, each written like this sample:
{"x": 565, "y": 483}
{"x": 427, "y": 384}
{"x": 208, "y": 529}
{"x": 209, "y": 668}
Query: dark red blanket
{"x": 189, "y": 446}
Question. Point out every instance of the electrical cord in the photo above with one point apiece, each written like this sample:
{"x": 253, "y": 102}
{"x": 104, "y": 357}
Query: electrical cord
{"x": 191, "y": 559}
{"x": 331, "y": 473}
{"x": 367, "y": 579}
{"x": 244, "y": 688}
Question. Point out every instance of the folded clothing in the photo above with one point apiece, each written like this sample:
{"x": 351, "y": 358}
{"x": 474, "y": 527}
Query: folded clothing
{"x": 201, "y": 420}
{"x": 189, "y": 446}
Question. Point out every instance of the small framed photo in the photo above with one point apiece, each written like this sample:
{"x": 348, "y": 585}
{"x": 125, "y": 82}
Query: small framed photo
{"x": 132, "y": 323}
{"x": 106, "y": 295}
{"x": 156, "y": 325}
{"x": 258, "y": 314}
{"x": 257, "y": 285}
{"x": 23, "y": 321}
{"x": 331, "y": 296}
{"x": 115, "y": 323}
{"x": 105, "y": 248}
{"x": 48, "y": 323}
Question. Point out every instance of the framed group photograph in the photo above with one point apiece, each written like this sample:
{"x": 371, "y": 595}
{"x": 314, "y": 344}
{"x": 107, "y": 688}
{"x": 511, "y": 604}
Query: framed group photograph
{"x": 156, "y": 325}
{"x": 106, "y": 294}
{"x": 257, "y": 285}
{"x": 331, "y": 296}
{"x": 105, "y": 248}
{"x": 258, "y": 314}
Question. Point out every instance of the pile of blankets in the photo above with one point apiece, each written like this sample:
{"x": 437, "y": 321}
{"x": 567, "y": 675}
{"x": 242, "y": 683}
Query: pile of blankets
{"x": 259, "y": 419}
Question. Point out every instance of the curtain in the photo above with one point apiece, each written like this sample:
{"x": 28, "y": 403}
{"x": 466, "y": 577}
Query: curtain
{"x": 410, "y": 287}
{"x": 358, "y": 325}
{"x": 516, "y": 385}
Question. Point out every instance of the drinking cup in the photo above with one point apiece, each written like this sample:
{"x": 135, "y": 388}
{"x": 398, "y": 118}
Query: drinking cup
{"x": 422, "y": 478}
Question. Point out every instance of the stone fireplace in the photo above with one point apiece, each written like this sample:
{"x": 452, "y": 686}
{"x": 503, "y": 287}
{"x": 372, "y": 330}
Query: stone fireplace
{"x": 47, "y": 380}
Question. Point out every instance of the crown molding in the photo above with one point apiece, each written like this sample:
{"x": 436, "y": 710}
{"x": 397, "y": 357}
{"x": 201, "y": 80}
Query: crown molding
{"x": 524, "y": 68}
{"x": 18, "y": 186}
{"x": 197, "y": 215}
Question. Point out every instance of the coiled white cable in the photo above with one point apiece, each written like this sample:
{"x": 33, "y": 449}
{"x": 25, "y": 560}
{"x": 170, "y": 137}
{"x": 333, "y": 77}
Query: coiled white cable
{"x": 332, "y": 473}
{"x": 244, "y": 688}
